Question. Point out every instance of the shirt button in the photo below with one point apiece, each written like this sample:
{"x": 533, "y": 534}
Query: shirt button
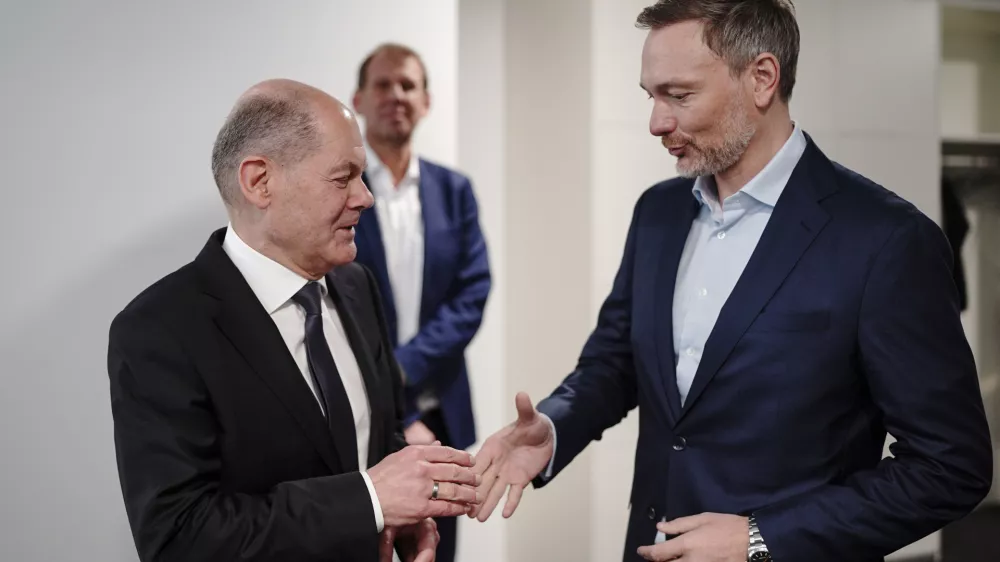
{"x": 703, "y": 293}
{"x": 722, "y": 235}
{"x": 680, "y": 444}
{"x": 690, "y": 352}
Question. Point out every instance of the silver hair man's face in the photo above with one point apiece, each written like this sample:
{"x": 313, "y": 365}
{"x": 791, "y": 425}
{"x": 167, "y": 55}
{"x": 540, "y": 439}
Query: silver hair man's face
{"x": 318, "y": 201}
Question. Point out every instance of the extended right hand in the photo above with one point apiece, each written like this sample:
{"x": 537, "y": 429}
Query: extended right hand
{"x": 512, "y": 457}
{"x": 404, "y": 482}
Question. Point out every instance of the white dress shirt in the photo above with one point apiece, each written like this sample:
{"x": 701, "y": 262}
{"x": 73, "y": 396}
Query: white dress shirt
{"x": 401, "y": 224}
{"x": 274, "y": 285}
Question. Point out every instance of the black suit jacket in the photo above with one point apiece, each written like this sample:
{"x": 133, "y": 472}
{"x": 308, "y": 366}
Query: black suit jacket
{"x": 223, "y": 451}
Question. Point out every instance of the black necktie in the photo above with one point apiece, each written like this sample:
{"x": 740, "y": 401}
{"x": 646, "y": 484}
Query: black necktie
{"x": 326, "y": 376}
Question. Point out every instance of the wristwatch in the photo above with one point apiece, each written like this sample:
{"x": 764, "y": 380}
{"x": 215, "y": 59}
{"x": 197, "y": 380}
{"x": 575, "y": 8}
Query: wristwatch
{"x": 757, "y": 551}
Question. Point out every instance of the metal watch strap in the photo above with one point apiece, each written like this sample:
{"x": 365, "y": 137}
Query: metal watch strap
{"x": 756, "y": 540}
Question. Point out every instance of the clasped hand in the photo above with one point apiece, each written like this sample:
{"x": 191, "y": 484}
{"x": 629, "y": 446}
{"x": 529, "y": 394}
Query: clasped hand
{"x": 404, "y": 483}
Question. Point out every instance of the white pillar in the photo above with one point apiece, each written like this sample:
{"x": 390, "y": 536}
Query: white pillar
{"x": 548, "y": 148}
{"x": 481, "y": 150}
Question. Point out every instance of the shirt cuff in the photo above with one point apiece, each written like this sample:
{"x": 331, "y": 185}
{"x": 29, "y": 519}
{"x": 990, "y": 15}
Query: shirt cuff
{"x": 376, "y": 506}
{"x": 555, "y": 443}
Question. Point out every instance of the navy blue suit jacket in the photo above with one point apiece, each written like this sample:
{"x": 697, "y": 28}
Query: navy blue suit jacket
{"x": 844, "y": 325}
{"x": 456, "y": 284}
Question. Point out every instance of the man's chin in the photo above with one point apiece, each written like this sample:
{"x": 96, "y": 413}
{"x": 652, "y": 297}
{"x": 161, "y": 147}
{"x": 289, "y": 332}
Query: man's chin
{"x": 397, "y": 134}
{"x": 344, "y": 253}
{"x": 689, "y": 169}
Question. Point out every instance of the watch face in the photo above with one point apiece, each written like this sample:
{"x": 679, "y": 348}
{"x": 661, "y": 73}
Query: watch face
{"x": 760, "y": 557}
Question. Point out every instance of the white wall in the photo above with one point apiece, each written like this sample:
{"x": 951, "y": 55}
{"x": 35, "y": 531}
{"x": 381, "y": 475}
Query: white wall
{"x": 109, "y": 110}
{"x": 867, "y": 90}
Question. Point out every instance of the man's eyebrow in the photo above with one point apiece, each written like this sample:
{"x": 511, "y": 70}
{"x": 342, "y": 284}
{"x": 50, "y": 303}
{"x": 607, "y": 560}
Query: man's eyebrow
{"x": 663, "y": 87}
{"x": 345, "y": 166}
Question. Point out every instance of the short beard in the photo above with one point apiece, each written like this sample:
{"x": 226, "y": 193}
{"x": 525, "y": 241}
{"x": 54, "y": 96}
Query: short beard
{"x": 738, "y": 131}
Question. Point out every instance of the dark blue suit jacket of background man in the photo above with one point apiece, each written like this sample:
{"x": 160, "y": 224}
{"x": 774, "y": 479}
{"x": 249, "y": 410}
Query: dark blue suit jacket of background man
{"x": 456, "y": 284}
{"x": 844, "y": 325}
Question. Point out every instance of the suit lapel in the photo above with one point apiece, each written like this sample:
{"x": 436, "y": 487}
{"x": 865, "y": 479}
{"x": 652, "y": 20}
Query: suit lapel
{"x": 373, "y": 246}
{"x": 343, "y": 295}
{"x": 795, "y": 222}
{"x": 432, "y": 206}
{"x": 246, "y": 324}
{"x": 674, "y": 237}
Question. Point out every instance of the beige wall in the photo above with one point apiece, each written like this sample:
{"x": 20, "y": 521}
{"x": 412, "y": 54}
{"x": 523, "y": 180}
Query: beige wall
{"x": 548, "y": 264}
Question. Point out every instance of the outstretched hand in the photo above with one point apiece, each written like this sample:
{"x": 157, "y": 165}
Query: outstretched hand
{"x": 512, "y": 457}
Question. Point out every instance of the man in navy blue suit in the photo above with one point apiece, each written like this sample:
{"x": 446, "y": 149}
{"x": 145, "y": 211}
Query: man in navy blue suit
{"x": 774, "y": 316}
{"x": 427, "y": 252}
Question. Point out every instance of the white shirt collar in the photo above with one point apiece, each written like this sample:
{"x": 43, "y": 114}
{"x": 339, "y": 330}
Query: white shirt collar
{"x": 376, "y": 167}
{"x": 273, "y": 283}
{"x": 767, "y": 186}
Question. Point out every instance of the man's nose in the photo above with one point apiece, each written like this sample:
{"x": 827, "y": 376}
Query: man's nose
{"x": 396, "y": 92}
{"x": 662, "y": 122}
{"x": 361, "y": 196}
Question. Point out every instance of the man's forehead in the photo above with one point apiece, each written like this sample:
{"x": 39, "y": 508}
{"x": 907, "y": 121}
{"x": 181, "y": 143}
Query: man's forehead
{"x": 391, "y": 63}
{"x": 672, "y": 53}
{"x": 343, "y": 159}
{"x": 679, "y": 42}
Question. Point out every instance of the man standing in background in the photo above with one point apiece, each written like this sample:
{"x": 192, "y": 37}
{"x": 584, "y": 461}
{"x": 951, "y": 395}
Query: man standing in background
{"x": 427, "y": 251}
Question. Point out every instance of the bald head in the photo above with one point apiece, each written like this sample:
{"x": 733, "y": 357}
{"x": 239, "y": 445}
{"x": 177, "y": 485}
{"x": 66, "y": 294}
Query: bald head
{"x": 281, "y": 120}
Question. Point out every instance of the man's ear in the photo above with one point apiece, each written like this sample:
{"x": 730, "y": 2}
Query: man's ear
{"x": 255, "y": 175}
{"x": 765, "y": 76}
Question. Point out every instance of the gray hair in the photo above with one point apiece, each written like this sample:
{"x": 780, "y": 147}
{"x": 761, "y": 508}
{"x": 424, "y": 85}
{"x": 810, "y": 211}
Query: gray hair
{"x": 282, "y": 128}
{"x": 738, "y": 31}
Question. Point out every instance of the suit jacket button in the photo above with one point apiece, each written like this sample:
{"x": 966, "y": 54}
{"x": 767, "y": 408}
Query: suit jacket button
{"x": 680, "y": 444}
{"x": 652, "y": 513}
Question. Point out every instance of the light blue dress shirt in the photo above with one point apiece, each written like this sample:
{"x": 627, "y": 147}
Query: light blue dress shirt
{"x": 719, "y": 245}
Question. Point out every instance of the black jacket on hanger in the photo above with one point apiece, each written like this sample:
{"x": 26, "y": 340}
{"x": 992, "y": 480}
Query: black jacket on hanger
{"x": 956, "y": 227}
